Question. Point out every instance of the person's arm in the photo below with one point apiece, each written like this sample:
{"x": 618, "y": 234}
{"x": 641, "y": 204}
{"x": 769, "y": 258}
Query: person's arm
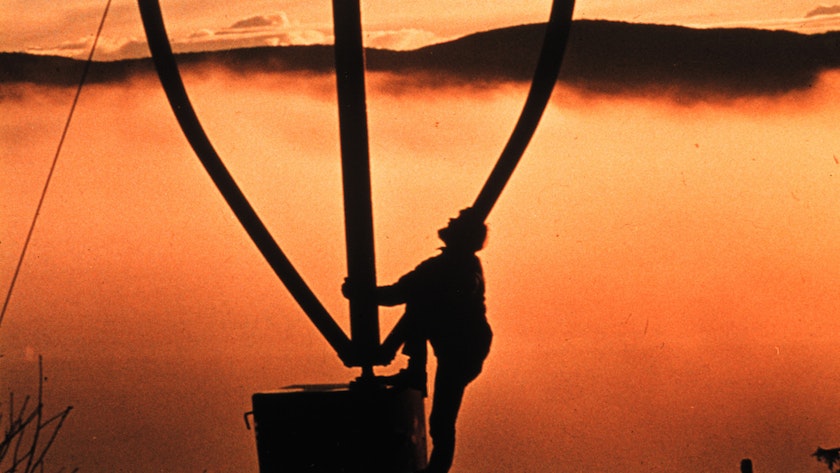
{"x": 390, "y": 295}
{"x": 384, "y": 295}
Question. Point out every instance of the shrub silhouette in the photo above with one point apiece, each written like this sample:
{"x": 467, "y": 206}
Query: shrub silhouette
{"x": 830, "y": 457}
{"x": 28, "y": 433}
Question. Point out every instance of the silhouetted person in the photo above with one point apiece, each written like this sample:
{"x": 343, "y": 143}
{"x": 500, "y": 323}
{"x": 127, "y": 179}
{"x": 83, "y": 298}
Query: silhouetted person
{"x": 444, "y": 304}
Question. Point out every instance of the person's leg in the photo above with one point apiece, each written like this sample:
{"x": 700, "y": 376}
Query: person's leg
{"x": 414, "y": 374}
{"x": 417, "y": 352}
{"x": 448, "y": 395}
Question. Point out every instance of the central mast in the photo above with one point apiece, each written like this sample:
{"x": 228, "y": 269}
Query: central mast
{"x": 355, "y": 165}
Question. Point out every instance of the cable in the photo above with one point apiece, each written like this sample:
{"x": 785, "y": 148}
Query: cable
{"x": 54, "y": 161}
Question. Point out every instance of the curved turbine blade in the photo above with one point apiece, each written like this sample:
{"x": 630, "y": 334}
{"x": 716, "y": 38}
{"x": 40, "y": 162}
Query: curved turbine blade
{"x": 545, "y": 76}
{"x": 170, "y": 78}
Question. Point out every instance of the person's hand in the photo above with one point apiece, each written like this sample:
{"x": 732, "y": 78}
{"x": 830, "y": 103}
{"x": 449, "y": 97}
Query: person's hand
{"x": 348, "y": 289}
{"x": 352, "y": 290}
{"x": 384, "y": 356}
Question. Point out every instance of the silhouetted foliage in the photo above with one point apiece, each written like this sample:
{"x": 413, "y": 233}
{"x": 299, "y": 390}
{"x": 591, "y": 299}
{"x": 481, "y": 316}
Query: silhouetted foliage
{"x": 28, "y": 432}
{"x": 830, "y": 457}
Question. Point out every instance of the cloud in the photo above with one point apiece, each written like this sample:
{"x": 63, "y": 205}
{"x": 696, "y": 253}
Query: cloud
{"x": 401, "y": 40}
{"x": 206, "y": 40}
{"x": 273, "y": 29}
{"x": 810, "y": 24}
{"x": 277, "y": 30}
{"x": 204, "y": 33}
{"x": 270, "y": 29}
{"x": 822, "y": 19}
{"x": 279, "y": 19}
{"x": 823, "y": 10}
{"x": 107, "y": 48}
{"x": 807, "y": 25}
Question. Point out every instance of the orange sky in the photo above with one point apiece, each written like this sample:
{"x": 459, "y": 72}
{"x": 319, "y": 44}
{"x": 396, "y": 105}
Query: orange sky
{"x": 67, "y": 27}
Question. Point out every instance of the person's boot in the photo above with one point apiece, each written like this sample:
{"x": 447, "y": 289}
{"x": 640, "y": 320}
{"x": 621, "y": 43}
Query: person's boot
{"x": 408, "y": 378}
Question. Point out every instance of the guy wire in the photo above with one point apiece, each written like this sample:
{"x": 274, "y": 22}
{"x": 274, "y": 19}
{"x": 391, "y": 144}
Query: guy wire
{"x": 55, "y": 160}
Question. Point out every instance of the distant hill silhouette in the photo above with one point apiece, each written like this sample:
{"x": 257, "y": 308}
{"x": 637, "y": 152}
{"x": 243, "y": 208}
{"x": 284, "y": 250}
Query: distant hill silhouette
{"x": 602, "y": 56}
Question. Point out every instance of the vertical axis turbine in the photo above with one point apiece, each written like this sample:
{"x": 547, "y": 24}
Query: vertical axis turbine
{"x": 355, "y": 164}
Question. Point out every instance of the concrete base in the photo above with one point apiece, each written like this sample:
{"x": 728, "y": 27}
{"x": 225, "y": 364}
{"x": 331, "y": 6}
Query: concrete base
{"x": 335, "y": 429}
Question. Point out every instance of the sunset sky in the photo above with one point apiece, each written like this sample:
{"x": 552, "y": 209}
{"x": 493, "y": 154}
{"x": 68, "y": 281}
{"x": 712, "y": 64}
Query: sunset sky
{"x": 662, "y": 269}
{"x": 66, "y": 28}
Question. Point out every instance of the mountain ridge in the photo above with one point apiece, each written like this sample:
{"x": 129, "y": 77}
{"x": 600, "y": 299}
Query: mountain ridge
{"x": 602, "y": 56}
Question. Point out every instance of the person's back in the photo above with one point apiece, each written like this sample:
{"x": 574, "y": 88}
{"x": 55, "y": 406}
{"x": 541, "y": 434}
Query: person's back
{"x": 445, "y": 296}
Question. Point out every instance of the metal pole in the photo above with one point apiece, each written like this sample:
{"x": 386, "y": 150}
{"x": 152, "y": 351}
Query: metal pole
{"x": 355, "y": 163}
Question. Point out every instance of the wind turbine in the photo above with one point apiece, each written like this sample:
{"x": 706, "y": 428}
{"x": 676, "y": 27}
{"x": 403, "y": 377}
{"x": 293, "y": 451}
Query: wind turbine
{"x": 361, "y": 427}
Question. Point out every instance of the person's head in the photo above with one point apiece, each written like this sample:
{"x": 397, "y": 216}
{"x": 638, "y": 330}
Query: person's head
{"x": 465, "y": 232}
